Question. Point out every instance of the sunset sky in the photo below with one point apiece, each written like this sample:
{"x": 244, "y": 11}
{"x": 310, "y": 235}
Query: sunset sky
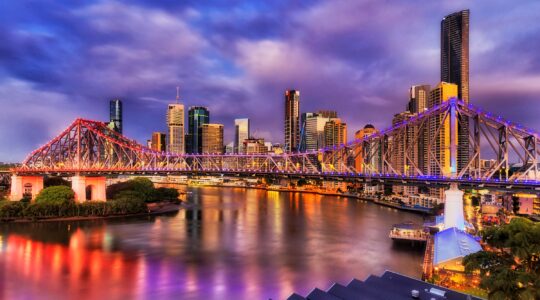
{"x": 63, "y": 59}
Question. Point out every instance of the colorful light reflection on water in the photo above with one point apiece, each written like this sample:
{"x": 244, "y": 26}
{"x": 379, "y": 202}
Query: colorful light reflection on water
{"x": 234, "y": 244}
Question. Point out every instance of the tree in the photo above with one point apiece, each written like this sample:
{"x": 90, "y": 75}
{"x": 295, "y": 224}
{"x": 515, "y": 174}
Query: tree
{"x": 510, "y": 267}
{"x": 55, "y": 195}
{"x": 54, "y": 181}
{"x": 143, "y": 186}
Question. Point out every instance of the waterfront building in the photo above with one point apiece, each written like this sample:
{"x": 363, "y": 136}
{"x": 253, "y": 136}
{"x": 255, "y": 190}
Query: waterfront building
{"x": 197, "y": 117}
{"x": 439, "y": 163}
{"x": 437, "y": 154}
{"x": 175, "y": 124}
{"x": 292, "y": 120}
{"x": 254, "y": 146}
{"x": 158, "y": 142}
{"x": 455, "y": 69}
{"x": 212, "y": 138}
{"x": 335, "y": 132}
{"x": 115, "y": 115}
{"x": 359, "y": 162}
{"x": 315, "y": 138}
{"x": 241, "y": 133}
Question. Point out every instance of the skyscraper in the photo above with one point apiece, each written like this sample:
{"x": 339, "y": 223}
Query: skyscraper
{"x": 418, "y": 103}
{"x": 438, "y": 157}
{"x": 314, "y": 131}
{"x": 455, "y": 69}
{"x": 197, "y": 116}
{"x": 115, "y": 115}
{"x": 158, "y": 142}
{"x": 241, "y": 133}
{"x": 175, "y": 124}
{"x": 212, "y": 138}
{"x": 292, "y": 120}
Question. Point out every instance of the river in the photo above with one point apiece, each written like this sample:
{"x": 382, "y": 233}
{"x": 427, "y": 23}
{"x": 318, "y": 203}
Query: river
{"x": 233, "y": 244}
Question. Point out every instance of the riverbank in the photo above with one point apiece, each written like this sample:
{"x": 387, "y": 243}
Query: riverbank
{"x": 154, "y": 209}
{"x": 423, "y": 211}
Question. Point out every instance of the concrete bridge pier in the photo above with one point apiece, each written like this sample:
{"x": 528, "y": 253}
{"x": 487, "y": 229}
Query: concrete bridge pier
{"x": 89, "y": 188}
{"x": 453, "y": 208}
{"x": 25, "y": 185}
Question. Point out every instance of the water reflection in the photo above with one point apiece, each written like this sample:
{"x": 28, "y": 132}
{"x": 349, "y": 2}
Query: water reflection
{"x": 234, "y": 243}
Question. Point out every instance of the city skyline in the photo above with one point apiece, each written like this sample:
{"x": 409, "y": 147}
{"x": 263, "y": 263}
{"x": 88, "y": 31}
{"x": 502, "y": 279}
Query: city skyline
{"x": 50, "y": 96}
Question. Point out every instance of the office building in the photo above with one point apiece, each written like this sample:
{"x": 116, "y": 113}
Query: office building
{"x": 418, "y": 103}
{"x": 404, "y": 156}
{"x": 197, "y": 117}
{"x": 455, "y": 69}
{"x": 175, "y": 124}
{"x": 158, "y": 142}
{"x": 229, "y": 148}
{"x": 115, "y": 115}
{"x": 241, "y": 133}
{"x": 292, "y": 120}
{"x": 303, "y": 117}
{"x": 438, "y": 157}
{"x": 335, "y": 132}
{"x": 314, "y": 131}
{"x": 212, "y": 138}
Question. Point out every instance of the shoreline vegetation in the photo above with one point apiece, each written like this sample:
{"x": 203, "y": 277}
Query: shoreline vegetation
{"x": 135, "y": 197}
{"x": 56, "y": 202}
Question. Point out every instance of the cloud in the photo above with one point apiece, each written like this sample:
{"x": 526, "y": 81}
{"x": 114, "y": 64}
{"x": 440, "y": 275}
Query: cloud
{"x": 64, "y": 59}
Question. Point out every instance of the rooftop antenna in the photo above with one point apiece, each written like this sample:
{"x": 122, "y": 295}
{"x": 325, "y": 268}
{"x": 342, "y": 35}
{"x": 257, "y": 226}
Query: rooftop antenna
{"x": 177, "y": 94}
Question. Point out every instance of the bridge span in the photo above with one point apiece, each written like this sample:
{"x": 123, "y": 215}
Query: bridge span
{"x": 422, "y": 150}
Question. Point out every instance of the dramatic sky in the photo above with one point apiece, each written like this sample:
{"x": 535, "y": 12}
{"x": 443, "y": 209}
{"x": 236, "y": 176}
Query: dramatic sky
{"x": 62, "y": 59}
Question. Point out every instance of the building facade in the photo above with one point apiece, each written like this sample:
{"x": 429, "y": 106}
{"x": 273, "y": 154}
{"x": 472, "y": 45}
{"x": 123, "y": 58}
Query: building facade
{"x": 212, "y": 138}
{"x": 455, "y": 69}
{"x": 292, "y": 120}
{"x": 315, "y": 138}
{"x": 158, "y": 142}
{"x": 175, "y": 125}
{"x": 241, "y": 133}
{"x": 335, "y": 132}
{"x": 115, "y": 115}
{"x": 197, "y": 117}
{"x": 361, "y": 160}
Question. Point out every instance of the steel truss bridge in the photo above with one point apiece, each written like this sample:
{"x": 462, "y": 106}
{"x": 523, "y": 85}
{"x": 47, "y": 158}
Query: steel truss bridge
{"x": 422, "y": 150}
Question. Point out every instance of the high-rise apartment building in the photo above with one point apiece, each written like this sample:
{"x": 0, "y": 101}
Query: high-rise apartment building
{"x": 212, "y": 138}
{"x": 335, "y": 132}
{"x": 115, "y": 115}
{"x": 455, "y": 69}
{"x": 175, "y": 124}
{"x": 197, "y": 117}
{"x": 362, "y": 162}
{"x": 292, "y": 120}
{"x": 241, "y": 133}
{"x": 158, "y": 142}
{"x": 330, "y": 114}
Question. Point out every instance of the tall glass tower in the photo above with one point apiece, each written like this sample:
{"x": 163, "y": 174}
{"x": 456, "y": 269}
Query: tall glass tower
{"x": 197, "y": 117}
{"x": 292, "y": 120}
{"x": 455, "y": 69}
{"x": 115, "y": 115}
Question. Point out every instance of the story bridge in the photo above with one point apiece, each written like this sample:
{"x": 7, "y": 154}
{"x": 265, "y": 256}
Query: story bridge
{"x": 421, "y": 150}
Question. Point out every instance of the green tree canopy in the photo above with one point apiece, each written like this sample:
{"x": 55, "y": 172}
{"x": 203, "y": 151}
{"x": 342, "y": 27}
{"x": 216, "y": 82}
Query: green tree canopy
{"x": 510, "y": 267}
{"x": 55, "y": 195}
